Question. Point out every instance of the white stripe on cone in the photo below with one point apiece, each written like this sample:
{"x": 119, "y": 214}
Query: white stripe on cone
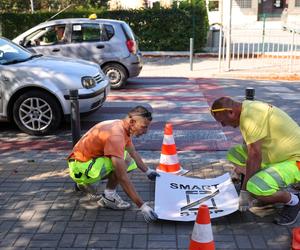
{"x": 168, "y": 159}
{"x": 202, "y": 233}
{"x": 168, "y": 140}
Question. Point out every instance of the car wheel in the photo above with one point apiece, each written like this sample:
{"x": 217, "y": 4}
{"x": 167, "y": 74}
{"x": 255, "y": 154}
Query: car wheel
{"x": 117, "y": 75}
{"x": 36, "y": 113}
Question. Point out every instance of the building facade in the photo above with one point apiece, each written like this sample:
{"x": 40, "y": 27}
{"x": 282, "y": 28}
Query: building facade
{"x": 245, "y": 12}
{"x": 137, "y": 4}
{"x": 127, "y": 4}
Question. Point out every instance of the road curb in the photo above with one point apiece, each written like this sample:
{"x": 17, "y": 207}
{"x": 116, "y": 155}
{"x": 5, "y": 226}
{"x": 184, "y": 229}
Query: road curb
{"x": 150, "y": 54}
{"x": 253, "y": 76}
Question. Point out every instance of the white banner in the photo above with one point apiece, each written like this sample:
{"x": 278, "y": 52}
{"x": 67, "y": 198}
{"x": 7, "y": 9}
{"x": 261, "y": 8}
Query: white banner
{"x": 177, "y": 198}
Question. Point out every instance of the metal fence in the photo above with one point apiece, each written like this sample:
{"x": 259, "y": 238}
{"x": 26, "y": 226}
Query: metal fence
{"x": 260, "y": 49}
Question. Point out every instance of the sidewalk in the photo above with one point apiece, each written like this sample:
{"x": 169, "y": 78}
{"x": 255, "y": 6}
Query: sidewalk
{"x": 177, "y": 64}
{"x": 40, "y": 210}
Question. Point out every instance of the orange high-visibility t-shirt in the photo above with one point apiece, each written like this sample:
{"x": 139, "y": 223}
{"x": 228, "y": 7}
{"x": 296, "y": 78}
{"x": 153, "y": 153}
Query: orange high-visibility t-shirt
{"x": 107, "y": 138}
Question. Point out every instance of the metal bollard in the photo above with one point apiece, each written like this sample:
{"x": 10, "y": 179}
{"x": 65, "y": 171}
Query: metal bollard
{"x": 191, "y": 53}
{"x": 249, "y": 94}
{"x": 75, "y": 116}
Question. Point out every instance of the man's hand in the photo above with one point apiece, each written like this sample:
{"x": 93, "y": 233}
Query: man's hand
{"x": 151, "y": 174}
{"x": 148, "y": 213}
{"x": 244, "y": 199}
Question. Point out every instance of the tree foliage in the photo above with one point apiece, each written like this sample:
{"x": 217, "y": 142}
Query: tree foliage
{"x": 156, "y": 29}
{"x": 50, "y": 5}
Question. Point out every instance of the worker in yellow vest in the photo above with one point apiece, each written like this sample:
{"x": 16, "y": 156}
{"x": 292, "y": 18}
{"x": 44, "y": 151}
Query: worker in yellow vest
{"x": 270, "y": 158}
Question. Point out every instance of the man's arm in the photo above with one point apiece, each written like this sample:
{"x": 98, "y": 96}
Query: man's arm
{"x": 122, "y": 176}
{"x": 124, "y": 181}
{"x": 253, "y": 163}
{"x": 136, "y": 156}
{"x": 151, "y": 173}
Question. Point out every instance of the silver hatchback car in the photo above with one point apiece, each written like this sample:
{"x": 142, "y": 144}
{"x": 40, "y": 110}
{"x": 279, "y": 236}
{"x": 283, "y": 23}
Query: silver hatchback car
{"x": 109, "y": 43}
{"x": 34, "y": 89}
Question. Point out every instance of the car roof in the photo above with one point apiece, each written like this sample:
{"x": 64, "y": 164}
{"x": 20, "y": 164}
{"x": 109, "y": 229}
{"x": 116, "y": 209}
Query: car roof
{"x": 80, "y": 20}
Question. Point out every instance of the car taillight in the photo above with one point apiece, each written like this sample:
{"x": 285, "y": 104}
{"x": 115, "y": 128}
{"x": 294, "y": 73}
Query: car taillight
{"x": 131, "y": 45}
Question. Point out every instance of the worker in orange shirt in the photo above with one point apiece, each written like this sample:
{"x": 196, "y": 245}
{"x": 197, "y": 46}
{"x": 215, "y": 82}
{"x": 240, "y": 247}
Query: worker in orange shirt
{"x": 106, "y": 151}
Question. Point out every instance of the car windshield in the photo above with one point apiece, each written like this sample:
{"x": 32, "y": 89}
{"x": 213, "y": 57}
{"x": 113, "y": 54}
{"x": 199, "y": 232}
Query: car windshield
{"x": 11, "y": 53}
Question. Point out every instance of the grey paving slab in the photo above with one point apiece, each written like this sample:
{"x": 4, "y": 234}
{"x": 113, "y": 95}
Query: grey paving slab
{"x": 158, "y": 117}
{"x": 163, "y": 104}
{"x": 160, "y": 94}
{"x": 189, "y": 135}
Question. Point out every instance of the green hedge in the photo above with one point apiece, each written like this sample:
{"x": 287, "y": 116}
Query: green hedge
{"x": 156, "y": 29}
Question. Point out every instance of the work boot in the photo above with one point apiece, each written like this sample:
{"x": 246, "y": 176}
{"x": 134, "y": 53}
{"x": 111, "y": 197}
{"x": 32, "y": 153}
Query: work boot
{"x": 89, "y": 190}
{"x": 288, "y": 215}
{"x": 113, "y": 202}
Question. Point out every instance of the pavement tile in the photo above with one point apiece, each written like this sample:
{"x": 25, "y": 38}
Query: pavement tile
{"x": 43, "y": 243}
{"x": 140, "y": 241}
{"x": 9, "y": 239}
{"x": 225, "y": 245}
{"x": 103, "y": 240}
{"x": 165, "y": 237}
{"x": 82, "y": 239}
{"x": 162, "y": 244}
{"x": 5, "y": 226}
{"x": 113, "y": 227}
{"x": 46, "y": 236}
{"x": 183, "y": 241}
{"x": 76, "y": 248}
{"x": 243, "y": 241}
{"x": 130, "y": 230}
{"x": 125, "y": 241}
{"x": 78, "y": 230}
{"x": 45, "y": 227}
{"x": 100, "y": 227}
{"x": 17, "y": 248}
{"x": 27, "y": 215}
{"x": 25, "y": 227}
{"x": 59, "y": 227}
{"x": 258, "y": 241}
{"x": 67, "y": 240}
{"x": 23, "y": 240}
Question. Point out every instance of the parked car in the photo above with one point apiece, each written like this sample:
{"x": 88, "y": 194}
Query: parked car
{"x": 109, "y": 43}
{"x": 34, "y": 89}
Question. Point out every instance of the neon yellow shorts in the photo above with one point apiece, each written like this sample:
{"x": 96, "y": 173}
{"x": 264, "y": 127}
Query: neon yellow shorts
{"x": 94, "y": 170}
{"x": 271, "y": 178}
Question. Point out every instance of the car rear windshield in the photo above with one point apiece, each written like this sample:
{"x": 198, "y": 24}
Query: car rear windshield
{"x": 128, "y": 31}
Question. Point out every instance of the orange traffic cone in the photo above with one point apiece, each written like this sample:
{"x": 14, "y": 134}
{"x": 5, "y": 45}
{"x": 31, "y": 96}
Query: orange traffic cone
{"x": 296, "y": 238}
{"x": 202, "y": 237}
{"x": 168, "y": 159}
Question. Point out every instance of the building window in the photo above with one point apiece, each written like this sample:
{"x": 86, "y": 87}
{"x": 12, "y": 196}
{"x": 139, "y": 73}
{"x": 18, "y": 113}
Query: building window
{"x": 297, "y": 3}
{"x": 277, "y": 4}
{"x": 244, "y": 3}
{"x": 213, "y": 5}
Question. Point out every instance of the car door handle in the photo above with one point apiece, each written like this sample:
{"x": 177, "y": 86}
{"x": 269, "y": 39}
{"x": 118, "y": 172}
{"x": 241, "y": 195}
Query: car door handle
{"x": 55, "y": 50}
{"x": 100, "y": 46}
